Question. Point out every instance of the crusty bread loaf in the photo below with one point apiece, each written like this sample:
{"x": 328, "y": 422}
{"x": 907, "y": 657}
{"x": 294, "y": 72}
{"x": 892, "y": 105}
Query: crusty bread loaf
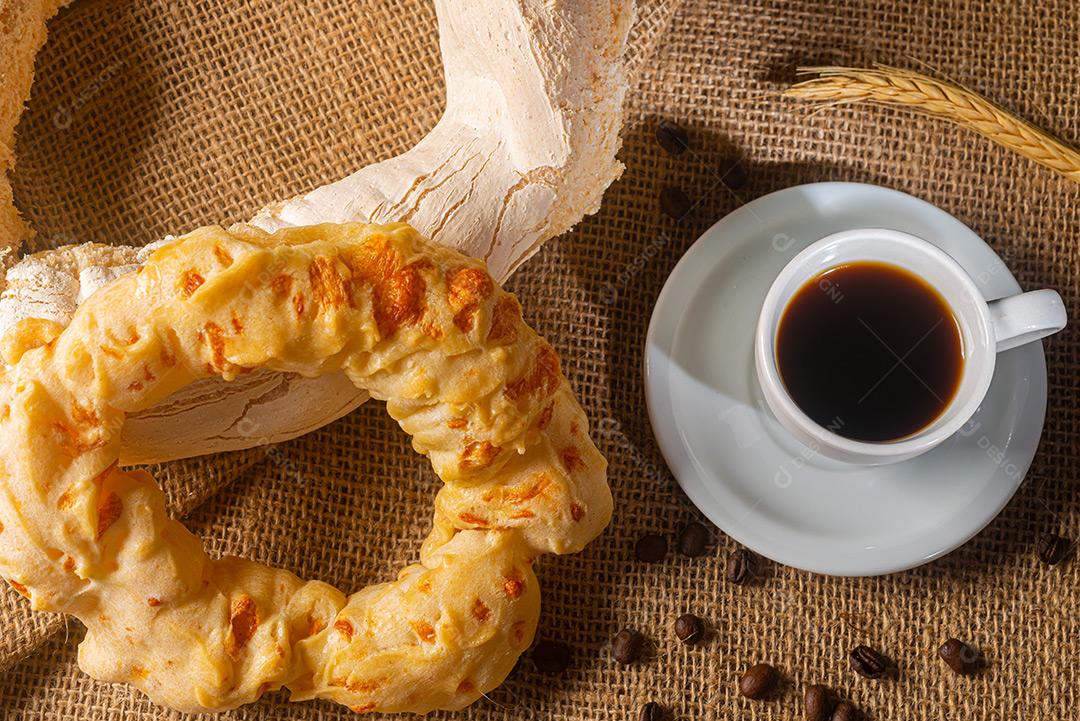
{"x": 421, "y": 326}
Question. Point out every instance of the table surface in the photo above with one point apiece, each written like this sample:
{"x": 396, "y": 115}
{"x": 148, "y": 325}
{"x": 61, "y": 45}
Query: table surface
{"x": 183, "y": 113}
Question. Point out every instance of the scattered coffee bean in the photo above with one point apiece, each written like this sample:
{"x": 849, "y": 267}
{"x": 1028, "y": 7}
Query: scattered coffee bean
{"x": 651, "y": 711}
{"x": 551, "y": 656}
{"x": 740, "y": 566}
{"x": 845, "y": 712}
{"x": 1052, "y": 549}
{"x": 758, "y": 681}
{"x": 672, "y": 138}
{"x": 675, "y": 203}
{"x": 734, "y": 175}
{"x": 868, "y": 663}
{"x": 689, "y": 628}
{"x": 818, "y": 703}
{"x": 960, "y": 657}
{"x": 627, "y": 645}
{"x": 650, "y": 548}
{"x": 694, "y": 540}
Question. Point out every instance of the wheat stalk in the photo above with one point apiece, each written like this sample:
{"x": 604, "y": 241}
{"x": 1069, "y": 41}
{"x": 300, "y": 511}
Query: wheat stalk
{"x": 885, "y": 85}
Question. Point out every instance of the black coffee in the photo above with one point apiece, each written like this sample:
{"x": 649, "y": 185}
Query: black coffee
{"x": 869, "y": 351}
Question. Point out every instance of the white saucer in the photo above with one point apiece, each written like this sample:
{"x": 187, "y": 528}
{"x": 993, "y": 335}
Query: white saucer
{"x": 756, "y": 482}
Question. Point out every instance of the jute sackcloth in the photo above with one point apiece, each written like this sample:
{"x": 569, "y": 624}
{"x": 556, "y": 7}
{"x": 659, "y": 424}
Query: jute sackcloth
{"x": 152, "y": 117}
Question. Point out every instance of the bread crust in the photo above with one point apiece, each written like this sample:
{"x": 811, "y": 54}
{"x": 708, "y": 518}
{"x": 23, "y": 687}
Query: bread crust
{"x": 420, "y": 326}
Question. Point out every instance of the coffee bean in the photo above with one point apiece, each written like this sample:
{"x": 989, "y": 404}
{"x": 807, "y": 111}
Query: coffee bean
{"x": 845, "y": 712}
{"x": 740, "y": 566}
{"x": 627, "y": 645}
{"x": 1052, "y": 549}
{"x": 818, "y": 703}
{"x": 551, "y": 656}
{"x": 758, "y": 681}
{"x": 675, "y": 203}
{"x": 734, "y": 175}
{"x": 651, "y": 711}
{"x": 867, "y": 662}
{"x": 689, "y": 628}
{"x": 694, "y": 540}
{"x": 960, "y": 657}
{"x": 672, "y": 138}
{"x": 650, "y": 548}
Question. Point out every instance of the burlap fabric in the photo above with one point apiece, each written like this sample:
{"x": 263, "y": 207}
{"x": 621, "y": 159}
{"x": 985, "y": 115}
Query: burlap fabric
{"x": 151, "y": 117}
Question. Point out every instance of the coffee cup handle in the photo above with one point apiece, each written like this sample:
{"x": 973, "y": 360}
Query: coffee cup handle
{"x": 1027, "y": 317}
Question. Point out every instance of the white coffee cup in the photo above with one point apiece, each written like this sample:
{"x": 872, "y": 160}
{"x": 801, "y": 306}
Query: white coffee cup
{"x": 986, "y": 329}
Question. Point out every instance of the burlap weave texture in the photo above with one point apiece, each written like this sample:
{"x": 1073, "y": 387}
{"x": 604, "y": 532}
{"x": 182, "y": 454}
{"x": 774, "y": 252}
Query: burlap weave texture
{"x": 151, "y": 117}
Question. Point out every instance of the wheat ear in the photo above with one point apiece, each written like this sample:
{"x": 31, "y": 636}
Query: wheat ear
{"x": 885, "y": 85}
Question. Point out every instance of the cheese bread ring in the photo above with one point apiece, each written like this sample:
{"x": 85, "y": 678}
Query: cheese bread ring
{"x": 420, "y": 326}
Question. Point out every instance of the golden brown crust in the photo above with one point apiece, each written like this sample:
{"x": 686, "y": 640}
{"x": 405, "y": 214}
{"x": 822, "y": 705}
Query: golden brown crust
{"x": 494, "y": 415}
